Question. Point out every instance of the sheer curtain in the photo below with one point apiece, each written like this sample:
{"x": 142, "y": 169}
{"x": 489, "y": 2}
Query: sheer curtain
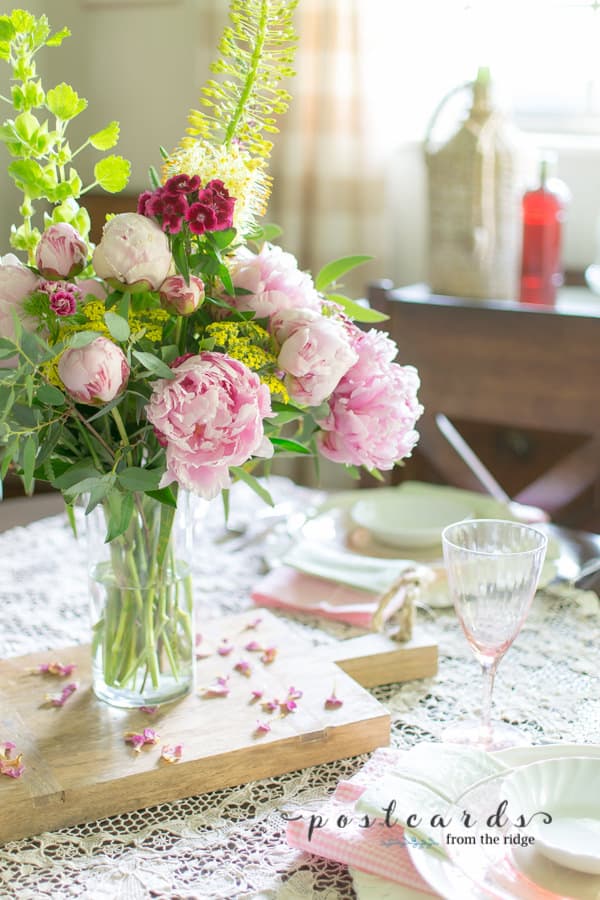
{"x": 329, "y": 189}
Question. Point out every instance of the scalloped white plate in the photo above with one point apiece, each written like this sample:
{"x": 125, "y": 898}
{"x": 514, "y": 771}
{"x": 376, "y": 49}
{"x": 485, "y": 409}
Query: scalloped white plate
{"x": 569, "y": 790}
{"x": 444, "y": 877}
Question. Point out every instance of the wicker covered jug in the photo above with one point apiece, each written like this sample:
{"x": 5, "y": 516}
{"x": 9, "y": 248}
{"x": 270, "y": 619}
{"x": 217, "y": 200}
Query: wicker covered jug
{"x": 474, "y": 202}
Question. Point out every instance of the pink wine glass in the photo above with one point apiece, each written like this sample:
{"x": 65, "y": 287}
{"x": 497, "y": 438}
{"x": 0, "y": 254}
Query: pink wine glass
{"x": 493, "y": 570}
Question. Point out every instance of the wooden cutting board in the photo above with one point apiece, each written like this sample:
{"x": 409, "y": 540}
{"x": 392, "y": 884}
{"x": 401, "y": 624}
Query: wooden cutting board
{"x": 79, "y": 768}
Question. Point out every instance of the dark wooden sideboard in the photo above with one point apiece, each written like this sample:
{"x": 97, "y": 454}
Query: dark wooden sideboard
{"x": 520, "y": 382}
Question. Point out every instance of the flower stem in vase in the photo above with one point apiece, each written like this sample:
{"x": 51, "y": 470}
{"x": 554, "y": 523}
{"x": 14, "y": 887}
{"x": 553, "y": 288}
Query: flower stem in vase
{"x": 142, "y": 609}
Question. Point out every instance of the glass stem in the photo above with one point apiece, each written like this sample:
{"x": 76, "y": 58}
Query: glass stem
{"x": 489, "y": 674}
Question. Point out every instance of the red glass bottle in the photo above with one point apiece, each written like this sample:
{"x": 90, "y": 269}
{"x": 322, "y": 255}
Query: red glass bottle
{"x": 543, "y": 216}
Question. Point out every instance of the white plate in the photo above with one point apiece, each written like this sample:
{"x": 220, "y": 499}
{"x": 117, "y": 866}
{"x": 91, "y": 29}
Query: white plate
{"x": 569, "y": 791}
{"x": 408, "y": 520}
{"x": 444, "y": 877}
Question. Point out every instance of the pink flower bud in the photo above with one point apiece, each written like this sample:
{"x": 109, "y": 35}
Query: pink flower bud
{"x": 179, "y": 297}
{"x": 61, "y": 252}
{"x": 96, "y": 373}
{"x": 133, "y": 251}
{"x": 16, "y": 282}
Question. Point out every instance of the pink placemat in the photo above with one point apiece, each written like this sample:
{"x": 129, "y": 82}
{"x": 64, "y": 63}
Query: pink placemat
{"x": 335, "y": 831}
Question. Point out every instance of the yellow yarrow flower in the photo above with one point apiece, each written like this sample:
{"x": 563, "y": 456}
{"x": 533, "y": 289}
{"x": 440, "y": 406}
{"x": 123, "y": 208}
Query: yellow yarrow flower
{"x": 252, "y": 345}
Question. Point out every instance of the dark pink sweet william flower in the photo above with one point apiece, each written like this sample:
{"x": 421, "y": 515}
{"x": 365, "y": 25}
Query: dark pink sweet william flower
{"x": 63, "y": 303}
{"x": 142, "y": 204}
{"x": 216, "y": 196}
{"x": 182, "y": 184}
{"x": 170, "y": 208}
{"x": 201, "y": 217}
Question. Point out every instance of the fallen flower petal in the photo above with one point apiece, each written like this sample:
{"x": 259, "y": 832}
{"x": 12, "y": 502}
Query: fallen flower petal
{"x": 148, "y": 709}
{"x": 9, "y": 766}
{"x": 219, "y": 687}
{"x": 252, "y": 625}
{"x": 54, "y": 668}
{"x": 269, "y": 655}
{"x": 172, "y": 754}
{"x": 294, "y": 693}
{"x": 333, "y": 702}
{"x": 262, "y": 727}
{"x": 270, "y": 705}
{"x": 253, "y": 646}
{"x": 225, "y": 649}
{"x": 13, "y": 768}
{"x": 243, "y": 667}
{"x": 61, "y": 699}
{"x": 256, "y": 695}
{"x": 137, "y": 740}
{"x": 288, "y": 706}
{"x": 198, "y": 640}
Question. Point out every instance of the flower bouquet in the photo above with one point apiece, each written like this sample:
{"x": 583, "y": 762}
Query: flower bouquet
{"x": 183, "y": 351}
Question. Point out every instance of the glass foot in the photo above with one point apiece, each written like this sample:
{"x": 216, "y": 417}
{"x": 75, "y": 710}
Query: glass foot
{"x": 471, "y": 733}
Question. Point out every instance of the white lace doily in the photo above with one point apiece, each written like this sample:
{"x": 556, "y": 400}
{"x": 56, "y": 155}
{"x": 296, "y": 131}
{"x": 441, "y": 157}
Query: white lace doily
{"x": 230, "y": 844}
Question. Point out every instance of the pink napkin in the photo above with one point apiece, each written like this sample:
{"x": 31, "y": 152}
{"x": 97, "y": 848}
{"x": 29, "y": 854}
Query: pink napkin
{"x": 379, "y": 850}
{"x": 287, "y": 588}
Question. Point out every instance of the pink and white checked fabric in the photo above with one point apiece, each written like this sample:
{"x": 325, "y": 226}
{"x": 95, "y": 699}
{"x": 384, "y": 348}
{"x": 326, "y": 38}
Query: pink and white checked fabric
{"x": 337, "y": 833}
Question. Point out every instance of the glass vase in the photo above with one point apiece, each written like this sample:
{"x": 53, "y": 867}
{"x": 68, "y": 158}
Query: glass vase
{"x": 142, "y": 604}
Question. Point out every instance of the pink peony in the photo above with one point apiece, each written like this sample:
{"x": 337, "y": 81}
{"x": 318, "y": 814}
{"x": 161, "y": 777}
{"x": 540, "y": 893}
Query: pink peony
{"x": 373, "y": 410}
{"x": 273, "y": 280}
{"x": 133, "y": 251}
{"x": 96, "y": 373}
{"x": 210, "y": 415}
{"x": 179, "y": 297}
{"x": 315, "y": 353}
{"x": 61, "y": 252}
{"x": 16, "y": 283}
{"x": 87, "y": 286}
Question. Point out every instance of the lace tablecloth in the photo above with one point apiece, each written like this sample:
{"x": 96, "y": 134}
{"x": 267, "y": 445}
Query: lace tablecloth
{"x": 230, "y": 843}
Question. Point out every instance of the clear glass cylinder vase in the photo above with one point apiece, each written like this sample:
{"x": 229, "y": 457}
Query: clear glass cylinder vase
{"x": 141, "y": 603}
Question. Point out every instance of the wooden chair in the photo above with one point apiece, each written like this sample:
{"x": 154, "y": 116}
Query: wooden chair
{"x": 504, "y": 364}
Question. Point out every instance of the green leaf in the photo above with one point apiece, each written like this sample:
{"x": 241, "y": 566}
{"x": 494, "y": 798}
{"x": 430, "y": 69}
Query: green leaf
{"x": 181, "y": 259}
{"x": 222, "y": 239}
{"x": 10, "y": 451}
{"x": 112, "y": 173}
{"x": 28, "y": 176}
{"x": 154, "y": 179}
{"x": 225, "y": 277}
{"x": 356, "y": 311}
{"x": 253, "y": 483}
{"x": 120, "y": 512}
{"x": 50, "y": 395}
{"x": 288, "y": 444}
{"x": 100, "y": 491}
{"x": 107, "y": 138}
{"x": 58, "y": 37}
{"x": 75, "y": 473}
{"x": 118, "y": 327}
{"x": 137, "y": 479}
{"x": 29, "y": 454}
{"x": 26, "y": 126}
{"x": 71, "y": 517}
{"x": 154, "y": 364}
{"x": 376, "y": 474}
{"x": 82, "y": 339}
{"x": 164, "y": 495}
{"x": 338, "y": 267}
{"x": 64, "y": 102}
{"x": 167, "y": 517}
{"x": 7, "y": 30}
